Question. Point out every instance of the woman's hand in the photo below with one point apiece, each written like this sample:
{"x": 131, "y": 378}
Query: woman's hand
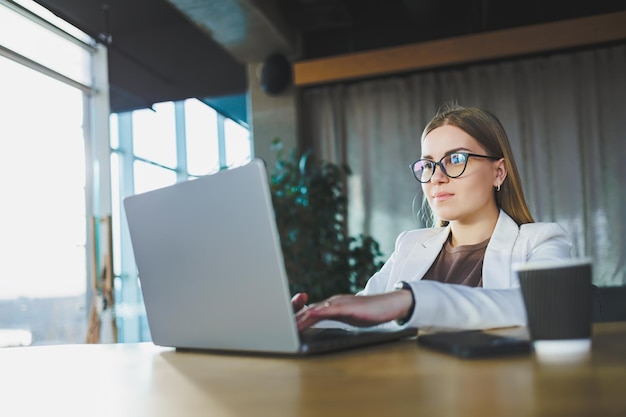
{"x": 298, "y": 301}
{"x": 356, "y": 310}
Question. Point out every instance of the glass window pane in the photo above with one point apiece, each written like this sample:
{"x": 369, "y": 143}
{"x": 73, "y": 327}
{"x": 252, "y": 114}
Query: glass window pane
{"x": 43, "y": 212}
{"x": 33, "y": 41}
{"x": 55, "y": 20}
{"x": 154, "y": 134}
{"x": 238, "y": 149}
{"x": 114, "y": 131}
{"x": 201, "y": 131}
{"x": 150, "y": 177}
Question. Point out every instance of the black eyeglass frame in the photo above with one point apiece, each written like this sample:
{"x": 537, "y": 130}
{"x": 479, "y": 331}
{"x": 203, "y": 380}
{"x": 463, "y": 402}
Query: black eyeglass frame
{"x": 443, "y": 169}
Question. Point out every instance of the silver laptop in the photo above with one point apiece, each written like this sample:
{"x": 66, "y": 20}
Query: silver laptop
{"x": 211, "y": 269}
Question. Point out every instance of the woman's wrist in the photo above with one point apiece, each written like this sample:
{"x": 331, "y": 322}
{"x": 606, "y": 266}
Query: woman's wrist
{"x": 404, "y": 287}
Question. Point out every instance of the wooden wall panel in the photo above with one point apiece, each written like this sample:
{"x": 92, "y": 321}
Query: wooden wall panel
{"x": 473, "y": 48}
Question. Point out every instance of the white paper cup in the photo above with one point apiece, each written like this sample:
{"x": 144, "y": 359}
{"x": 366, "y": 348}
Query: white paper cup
{"x": 562, "y": 351}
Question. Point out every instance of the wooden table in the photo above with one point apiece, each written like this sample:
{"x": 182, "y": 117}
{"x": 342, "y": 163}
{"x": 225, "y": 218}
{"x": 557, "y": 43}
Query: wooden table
{"x": 391, "y": 380}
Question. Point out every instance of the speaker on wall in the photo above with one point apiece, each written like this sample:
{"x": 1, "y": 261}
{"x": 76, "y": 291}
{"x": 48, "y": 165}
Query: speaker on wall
{"x": 276, "y": 74}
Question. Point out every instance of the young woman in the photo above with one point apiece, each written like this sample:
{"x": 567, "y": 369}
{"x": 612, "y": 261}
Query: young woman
{"x": 459, "y": 274}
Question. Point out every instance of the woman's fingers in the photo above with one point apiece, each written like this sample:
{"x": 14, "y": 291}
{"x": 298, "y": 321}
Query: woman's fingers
{"x": 298, "y": 301}
{"x": 367, "y": 310}
{"x": 334, "y": 308}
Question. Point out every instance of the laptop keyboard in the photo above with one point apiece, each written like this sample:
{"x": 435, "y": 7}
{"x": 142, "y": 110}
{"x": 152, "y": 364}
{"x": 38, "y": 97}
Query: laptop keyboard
{"x": 313, "y": 334}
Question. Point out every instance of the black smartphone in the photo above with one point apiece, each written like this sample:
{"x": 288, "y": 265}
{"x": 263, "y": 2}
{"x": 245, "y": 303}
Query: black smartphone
{"x": 474, "y": 344}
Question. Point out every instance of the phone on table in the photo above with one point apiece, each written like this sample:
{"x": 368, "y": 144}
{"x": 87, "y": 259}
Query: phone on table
{"x": 474, "y": 344}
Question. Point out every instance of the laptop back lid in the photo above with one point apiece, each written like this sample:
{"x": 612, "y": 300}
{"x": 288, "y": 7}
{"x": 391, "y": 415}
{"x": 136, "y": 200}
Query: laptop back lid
{"x": 210, "y": 264}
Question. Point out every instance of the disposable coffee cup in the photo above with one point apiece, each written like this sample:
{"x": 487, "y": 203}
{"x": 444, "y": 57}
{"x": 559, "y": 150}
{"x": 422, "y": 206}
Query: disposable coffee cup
{"x": 558, "y": 300}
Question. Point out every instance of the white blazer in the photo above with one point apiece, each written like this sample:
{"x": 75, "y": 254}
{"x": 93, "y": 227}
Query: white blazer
{"x": 498, "y": 303}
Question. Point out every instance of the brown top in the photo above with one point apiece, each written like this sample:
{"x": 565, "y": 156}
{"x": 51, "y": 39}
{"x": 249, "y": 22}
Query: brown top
{"x": 459, "y": 265}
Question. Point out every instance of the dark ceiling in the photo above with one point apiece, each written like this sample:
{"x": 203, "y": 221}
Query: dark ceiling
{"x": 156, "y": 54}
{"x": 340, "y": 26}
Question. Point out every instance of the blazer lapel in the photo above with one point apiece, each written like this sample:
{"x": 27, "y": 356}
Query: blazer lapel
{"x": 423, "y": 254}
{"x": 497, "y": 271}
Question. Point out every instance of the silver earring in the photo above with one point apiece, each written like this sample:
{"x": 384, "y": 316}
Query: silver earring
{"x": 498, "y": 187}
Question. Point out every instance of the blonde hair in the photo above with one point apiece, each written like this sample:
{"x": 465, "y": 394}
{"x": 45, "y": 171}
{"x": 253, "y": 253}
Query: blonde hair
{"x": 489, "y": 132}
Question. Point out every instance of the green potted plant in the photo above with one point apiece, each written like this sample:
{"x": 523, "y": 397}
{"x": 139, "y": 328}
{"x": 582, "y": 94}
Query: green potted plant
{"x": 311, "y": 212}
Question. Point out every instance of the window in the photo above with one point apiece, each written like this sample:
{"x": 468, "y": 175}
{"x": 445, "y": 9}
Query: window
{"x": 202, "y": 154}
{"x": 62, "y": 171}
{"x": 43, "y": 215}
{"x": 153, "y": 148}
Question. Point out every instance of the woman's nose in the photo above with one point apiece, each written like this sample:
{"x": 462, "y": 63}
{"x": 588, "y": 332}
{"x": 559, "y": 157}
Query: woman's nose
{"x": 438, "y": 176}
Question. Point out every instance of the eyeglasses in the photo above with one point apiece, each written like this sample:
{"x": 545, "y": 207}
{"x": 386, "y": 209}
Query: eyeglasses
{"x": 453, "y": 165}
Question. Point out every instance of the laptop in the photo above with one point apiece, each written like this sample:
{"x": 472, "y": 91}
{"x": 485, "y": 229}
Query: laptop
{"x": 212, "y": 274}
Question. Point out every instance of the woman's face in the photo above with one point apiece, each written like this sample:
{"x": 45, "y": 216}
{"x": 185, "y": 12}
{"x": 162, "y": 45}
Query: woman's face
{"x": 469, "y": 197}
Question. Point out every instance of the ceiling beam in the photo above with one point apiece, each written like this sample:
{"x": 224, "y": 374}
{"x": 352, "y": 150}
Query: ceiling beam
{"x": 462, "y": 50}
{"x": 250, "y": 30}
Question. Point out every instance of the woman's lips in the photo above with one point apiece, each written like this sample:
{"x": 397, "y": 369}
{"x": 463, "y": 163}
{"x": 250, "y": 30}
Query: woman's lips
{"x": 439, "y": 197}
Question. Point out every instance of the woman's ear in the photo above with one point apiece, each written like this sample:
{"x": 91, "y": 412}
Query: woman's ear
{"x": 501, "y": 172}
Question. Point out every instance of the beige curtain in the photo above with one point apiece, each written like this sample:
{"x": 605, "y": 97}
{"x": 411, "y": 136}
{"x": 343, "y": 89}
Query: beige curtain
{"x": 566, "y": 118}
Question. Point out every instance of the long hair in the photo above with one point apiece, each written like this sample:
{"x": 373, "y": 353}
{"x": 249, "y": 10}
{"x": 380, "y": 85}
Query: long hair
{"x": 489, "y": 132}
